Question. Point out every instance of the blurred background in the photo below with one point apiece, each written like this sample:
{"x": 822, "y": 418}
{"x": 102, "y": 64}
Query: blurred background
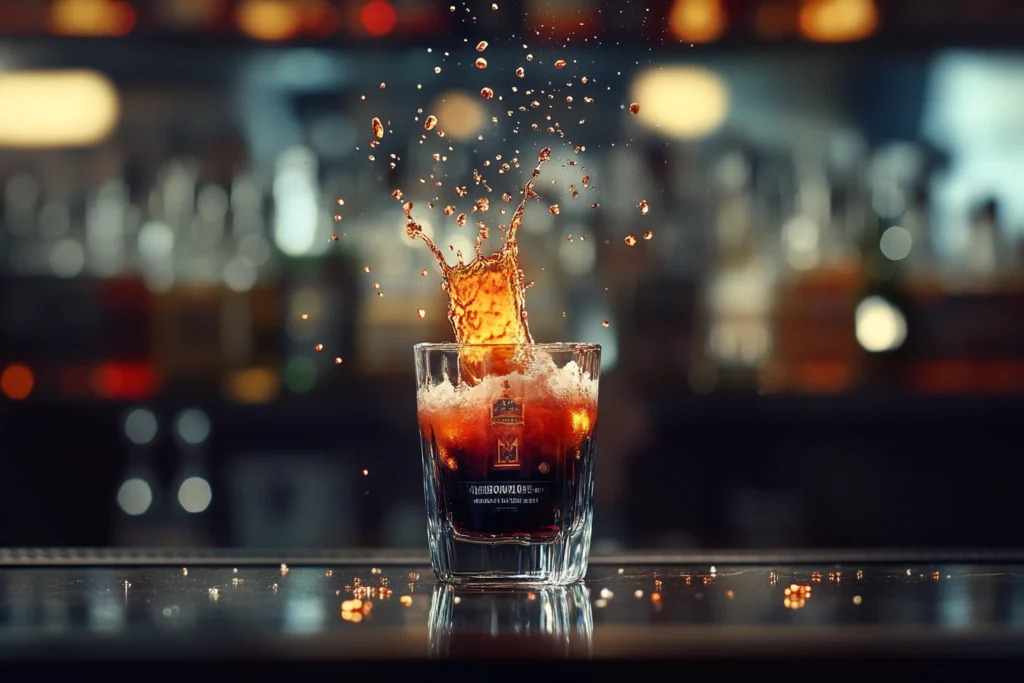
{"x": 822, "y": 343}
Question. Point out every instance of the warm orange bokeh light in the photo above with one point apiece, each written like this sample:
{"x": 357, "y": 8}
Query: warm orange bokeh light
{"x": 17, "y": 382}
{"x": 92, "y": 18}
{"x": 838, "y": 21}
{"x": 378, "y": 17}
{"x": 269, "y": 19}
{"x": 697, "y": 21}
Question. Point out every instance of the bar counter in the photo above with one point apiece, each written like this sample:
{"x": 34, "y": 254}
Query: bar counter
{"x": 352, "y": 609}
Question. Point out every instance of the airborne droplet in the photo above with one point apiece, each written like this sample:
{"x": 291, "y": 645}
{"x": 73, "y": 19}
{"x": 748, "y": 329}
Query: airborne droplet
{"x": 648, "y": 234}
{"x": 635, "y": 108}
{"x": 378, "y": 127}
{"x": 559, "y": 63}
{"x": 319, "y": 347}
{"x": 480, "y": 63}
{"x": 643, "y": 207}
{"x": 554, "y": 209}
{"x": 421, "y": 313}
{"x": 486, "y": 93}
{"x": 630, "y": 240}
{"x": 460, "y": 220}
{"x": 605, "y": 323}
{"x": 520, "y": 71}
{"x": 481, "y": 46}
{"x": 430, "y": 122}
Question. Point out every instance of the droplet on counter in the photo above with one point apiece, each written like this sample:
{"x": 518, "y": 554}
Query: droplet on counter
{"x": 377, "y": 127}
{"x": 634, "y": 108}
{"x": 630, "y": 240}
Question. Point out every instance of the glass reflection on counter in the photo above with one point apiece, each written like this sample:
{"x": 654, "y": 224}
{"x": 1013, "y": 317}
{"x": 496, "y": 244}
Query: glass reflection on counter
{"x": 549, "y": 622}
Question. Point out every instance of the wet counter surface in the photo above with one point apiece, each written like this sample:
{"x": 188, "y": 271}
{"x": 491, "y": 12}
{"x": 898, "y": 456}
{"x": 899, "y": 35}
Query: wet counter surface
{"x": 350, "y": 606}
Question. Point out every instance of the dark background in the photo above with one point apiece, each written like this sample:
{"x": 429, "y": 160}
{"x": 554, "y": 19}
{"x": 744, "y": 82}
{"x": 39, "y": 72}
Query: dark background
{"x": 779, "y": 370}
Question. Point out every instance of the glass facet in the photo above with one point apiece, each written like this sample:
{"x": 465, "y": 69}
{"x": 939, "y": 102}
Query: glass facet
{"x": 507, "y": 438}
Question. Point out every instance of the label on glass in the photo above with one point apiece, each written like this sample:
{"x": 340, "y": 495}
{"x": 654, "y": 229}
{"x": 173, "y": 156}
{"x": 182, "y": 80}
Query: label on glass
{"x": 527, "y": 508}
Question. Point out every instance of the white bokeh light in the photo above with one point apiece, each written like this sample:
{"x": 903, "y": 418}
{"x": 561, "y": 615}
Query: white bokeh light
{"x": 880, "y": 326}
{"x": 140, "y": 426}
{"x": 135, "y": 496}
{"x": 195, "y": 494}
{"x": 896, "y": 243}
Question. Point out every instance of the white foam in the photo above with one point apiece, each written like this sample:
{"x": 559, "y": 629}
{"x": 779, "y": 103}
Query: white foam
{"x": 542, "y": 379}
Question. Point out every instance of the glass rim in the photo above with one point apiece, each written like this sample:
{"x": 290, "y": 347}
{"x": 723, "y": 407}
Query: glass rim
{"x": 542, "y": 346}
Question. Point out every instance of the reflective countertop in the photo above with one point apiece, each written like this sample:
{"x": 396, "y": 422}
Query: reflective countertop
{"x": 350, "y": 606}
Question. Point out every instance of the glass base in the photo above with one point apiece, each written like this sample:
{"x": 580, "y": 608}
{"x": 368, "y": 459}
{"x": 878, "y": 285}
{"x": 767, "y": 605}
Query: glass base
{"x": 477, "y": 563}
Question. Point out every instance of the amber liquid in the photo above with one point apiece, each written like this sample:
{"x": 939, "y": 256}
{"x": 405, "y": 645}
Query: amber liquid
{"x": 487, "y": 306}
{"x": 487, "y": 296}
